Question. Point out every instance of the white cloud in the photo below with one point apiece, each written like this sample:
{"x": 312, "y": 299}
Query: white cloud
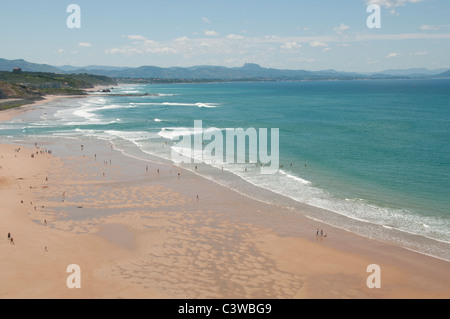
{"x": 392, "y": 3}
{"x": 211, "y": 33}
{"x": 272, "y": 37}
{"x": 392, "y": 55}
{"x": 265, "y": 49}
{"x": 182, "y": 40}
{"x": 206, "y": 20}
{"x": 340, "y": 29}
{"x": 130, "y": 51}
{"x": 234, "y": 37}
{"x": 291, "y": 45}
{"x": 426, "y": 27}
{"x": 84, "y": 45}
{"x": 126, "y": 50}
{"x": 147, "y": 43}
{"x": 258, "y": 48}
{"x": 371, "y": 61}
{"x": 137, "y": 37}
{"x": 403, "y": 36}
{"x": 61, "y": 51}
{"x": 161, "y": 50}
{"x": 316, "y": 43}
{"x": 394, "y": 13}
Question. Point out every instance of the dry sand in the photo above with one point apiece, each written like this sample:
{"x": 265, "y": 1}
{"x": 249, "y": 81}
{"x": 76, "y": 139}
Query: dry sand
{"x": 7, "y": 115}
{"x": 142, "y": 234}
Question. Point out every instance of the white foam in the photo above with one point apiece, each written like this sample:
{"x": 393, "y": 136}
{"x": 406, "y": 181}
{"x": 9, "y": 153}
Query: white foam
{"x": 117, "y": 106}
{"x": 85, "y": 113}
{"x": 207, "y": 105}
{"x": 296, "y": 178}
{"x": 174, "y": 133}
{"x": 358, "y": 209}
{"x": 199, "y": 104}
{"x": 130, "y": 136}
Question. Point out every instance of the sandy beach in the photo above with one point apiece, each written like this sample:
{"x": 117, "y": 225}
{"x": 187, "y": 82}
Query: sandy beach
{"x": 201, "y": 155}
{"x": 151, "y": 230}
{"x": 143, "y": 234}
{"x": 7, "y": 115}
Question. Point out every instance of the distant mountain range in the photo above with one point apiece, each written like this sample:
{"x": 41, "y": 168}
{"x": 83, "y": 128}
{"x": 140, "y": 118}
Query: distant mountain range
{"x": 414, "y": 72}
{"x": 8, "y": 65}
{"x": 249, "y": 71}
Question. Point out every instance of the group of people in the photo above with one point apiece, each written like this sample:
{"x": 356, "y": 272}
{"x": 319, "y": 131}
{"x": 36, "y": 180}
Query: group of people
{"x": 320, "y": 234}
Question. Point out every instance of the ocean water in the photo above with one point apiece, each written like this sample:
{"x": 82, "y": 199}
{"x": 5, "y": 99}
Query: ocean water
{"x": 374, "y": 154}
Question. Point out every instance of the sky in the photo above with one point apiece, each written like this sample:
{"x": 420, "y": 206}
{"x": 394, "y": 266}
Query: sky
{"x": 282, "y": 34}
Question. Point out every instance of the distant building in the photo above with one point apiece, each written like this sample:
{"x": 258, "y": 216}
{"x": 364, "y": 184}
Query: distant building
{"x": 17, "y": 70}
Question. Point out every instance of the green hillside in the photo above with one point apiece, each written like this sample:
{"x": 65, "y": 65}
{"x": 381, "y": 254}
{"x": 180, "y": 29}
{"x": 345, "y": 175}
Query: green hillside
{"x": 26, "y": 87}
{"x": 53, "y": 80}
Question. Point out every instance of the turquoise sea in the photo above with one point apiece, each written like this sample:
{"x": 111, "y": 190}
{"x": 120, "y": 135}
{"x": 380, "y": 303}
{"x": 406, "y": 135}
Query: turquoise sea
{"x": 374, "y": 154}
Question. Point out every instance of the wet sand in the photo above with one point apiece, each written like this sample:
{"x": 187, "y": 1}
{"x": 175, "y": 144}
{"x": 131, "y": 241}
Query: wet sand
{"x": 9, "y": 114}
{"x": 143, "y": 234}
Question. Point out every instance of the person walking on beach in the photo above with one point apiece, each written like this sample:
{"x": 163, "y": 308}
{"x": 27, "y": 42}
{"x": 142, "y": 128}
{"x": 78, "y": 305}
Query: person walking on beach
{"x": 9, "y": 237}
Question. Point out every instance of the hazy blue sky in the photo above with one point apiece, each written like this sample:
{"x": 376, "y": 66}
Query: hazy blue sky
{"x": 294, "y": 34}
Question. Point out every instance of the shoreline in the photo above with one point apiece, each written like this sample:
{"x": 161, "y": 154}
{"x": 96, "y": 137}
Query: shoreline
{"x": 301, "y": 209}
{"x": 152, "y": 224}
{"x": 8, "y": 114}
{"x": 372, "y": 231}
{"x": 316, "y": 213}
{"x": 261, "y": 237}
